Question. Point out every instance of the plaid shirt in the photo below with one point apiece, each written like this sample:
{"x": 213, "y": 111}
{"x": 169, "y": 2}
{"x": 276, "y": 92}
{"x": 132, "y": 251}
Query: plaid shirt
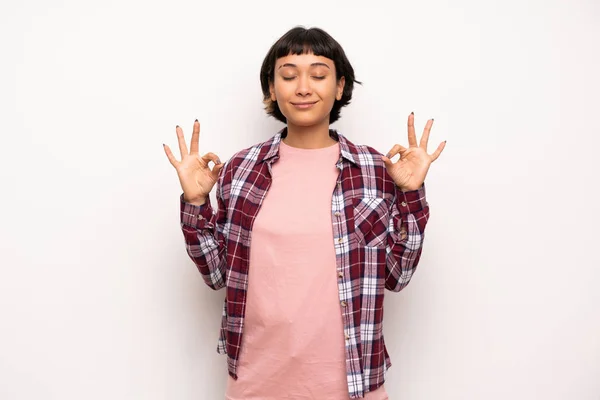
{"x": 378, "y": 233}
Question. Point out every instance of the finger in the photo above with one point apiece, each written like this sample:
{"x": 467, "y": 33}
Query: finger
{"x": 195, "y": 138}
{"x": 438, "y": 151}
{"x": 215, "y": 171}
{"x": 412, "y": 137}
{"x": 387, "y": 162}
{"x": 181, "y": 140}
{"x": 395, "y": 150}
{"x": 425, "y": 137}
{"x": 170, "y": 156}
{"x": 211, "y": 157}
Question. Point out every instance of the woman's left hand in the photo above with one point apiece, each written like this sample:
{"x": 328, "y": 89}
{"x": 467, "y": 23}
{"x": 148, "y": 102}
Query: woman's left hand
{"x": 410, "y": 170}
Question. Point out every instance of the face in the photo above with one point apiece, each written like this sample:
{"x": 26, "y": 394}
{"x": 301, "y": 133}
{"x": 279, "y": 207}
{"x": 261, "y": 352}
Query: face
{"x": 305, "y": 88}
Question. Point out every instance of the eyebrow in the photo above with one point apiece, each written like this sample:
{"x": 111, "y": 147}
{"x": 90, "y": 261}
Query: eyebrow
{"x": 315, "y": 64}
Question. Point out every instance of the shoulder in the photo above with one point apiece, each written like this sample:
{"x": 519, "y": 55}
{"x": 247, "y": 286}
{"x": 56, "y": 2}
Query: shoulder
{"x": 374, "y": 175}
{"x": 248, "y": 158}
{"x": 370, "y": 155}
{"x": 365, "y": 156}
{"x": 251, "y": 155}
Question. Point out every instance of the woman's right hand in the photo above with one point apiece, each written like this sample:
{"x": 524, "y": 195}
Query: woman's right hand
{"x": 195, "y": 176}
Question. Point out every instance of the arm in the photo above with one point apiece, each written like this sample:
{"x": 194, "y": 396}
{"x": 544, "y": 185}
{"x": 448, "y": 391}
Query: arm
{"x": 408, "y": 217}
{"x": 203, "y": 231}
{"x": 410, "y": 211}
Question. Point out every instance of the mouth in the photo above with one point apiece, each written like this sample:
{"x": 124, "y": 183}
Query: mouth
{"x": 305, "y": 105}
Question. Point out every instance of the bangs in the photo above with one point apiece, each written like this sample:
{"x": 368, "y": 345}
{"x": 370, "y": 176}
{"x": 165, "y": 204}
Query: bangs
{"x": 304, "y": 41}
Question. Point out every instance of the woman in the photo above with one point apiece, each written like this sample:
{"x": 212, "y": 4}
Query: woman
{"x": 310, "y": 230}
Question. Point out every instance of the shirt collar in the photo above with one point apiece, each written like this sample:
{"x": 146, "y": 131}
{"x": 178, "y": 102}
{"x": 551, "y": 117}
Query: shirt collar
{"x": 348, "y": 150}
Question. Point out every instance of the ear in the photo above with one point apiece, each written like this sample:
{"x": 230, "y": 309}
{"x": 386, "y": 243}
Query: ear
{"x": 272, "y": 90}
{"x": 340, "y": 88}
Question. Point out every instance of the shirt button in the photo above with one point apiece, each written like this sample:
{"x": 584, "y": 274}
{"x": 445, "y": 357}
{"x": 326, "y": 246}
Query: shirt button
{"x": 339, "y": 184}
{"x": 340, "y": 240}
{"x": 403, "y": 233}
{"x": 337, "y": 213}
{"x": 347, "y": 336}
{"x": 200, "y": 217}
{"x": 403, "y": 204}
{"x": 344, "y": 304}
{"x": 340, "y": 274}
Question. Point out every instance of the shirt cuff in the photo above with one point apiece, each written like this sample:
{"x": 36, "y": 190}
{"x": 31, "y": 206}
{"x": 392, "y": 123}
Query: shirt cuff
{"x": 195, "y": 216}
{"x": 411, "y": 201}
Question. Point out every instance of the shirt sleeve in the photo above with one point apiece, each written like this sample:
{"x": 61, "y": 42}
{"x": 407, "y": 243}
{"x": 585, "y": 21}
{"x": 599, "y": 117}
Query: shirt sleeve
{"x": 406, "y": 233}
{"x": 203, "y": 232}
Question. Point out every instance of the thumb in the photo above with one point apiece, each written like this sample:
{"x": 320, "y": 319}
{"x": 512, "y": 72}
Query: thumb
{"x": 386, "y": 161}
{"x": 216, "y": 169}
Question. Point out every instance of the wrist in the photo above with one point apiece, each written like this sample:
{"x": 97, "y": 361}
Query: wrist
{"x": 199, "y": 201}
{"x": 408, "y": 189}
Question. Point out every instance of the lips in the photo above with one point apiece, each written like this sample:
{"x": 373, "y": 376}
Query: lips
{"x": 304, "y": 104}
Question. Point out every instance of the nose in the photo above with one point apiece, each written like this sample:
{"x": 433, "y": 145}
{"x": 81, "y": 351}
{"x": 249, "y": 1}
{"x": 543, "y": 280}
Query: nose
{"x": 303, "y": 88}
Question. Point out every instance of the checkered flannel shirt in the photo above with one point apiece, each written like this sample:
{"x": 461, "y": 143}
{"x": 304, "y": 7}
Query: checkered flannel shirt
{"x": 378, "y": 233}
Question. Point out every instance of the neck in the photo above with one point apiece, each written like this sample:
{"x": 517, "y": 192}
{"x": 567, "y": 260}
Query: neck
{"x": 309, "y": 137}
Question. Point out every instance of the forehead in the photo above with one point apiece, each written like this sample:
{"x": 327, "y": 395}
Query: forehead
{"x": 303, "y": 60}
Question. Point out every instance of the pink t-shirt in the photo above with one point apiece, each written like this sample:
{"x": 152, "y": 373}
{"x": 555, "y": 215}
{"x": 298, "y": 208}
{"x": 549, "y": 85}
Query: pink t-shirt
{"x": 293, "y": 344}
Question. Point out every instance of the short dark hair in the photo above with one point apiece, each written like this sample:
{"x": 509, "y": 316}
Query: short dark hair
{"x": 300, "y": 40}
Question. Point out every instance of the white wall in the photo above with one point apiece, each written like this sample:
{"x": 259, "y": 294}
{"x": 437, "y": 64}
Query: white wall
{"x": 98, "y": 298}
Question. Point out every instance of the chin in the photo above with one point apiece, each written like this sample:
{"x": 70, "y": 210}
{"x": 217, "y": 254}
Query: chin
{"x": 305, "y": 120}
{"x": 302, "y": 123}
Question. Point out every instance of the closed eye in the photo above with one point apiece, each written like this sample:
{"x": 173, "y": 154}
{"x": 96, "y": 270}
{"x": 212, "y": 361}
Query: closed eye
{"x": 286, "y": 78}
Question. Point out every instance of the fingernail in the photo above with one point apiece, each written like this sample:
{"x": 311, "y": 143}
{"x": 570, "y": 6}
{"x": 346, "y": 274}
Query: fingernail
{"x": 412, "y": 113}
{"x": 196, "y": 120}
{"x": 431, "y": 119}
{"x": 163, "y": 145}
{"x": 444, "y": 141}
{"x": 218, "y": 161}
{"x": 388, "y": 155}
{"x": 176, "y": 126}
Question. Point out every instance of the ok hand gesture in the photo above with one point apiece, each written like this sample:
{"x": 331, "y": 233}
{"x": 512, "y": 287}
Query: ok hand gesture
{"x": 410, "y": 170}
{"x": 195, "y": 176}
